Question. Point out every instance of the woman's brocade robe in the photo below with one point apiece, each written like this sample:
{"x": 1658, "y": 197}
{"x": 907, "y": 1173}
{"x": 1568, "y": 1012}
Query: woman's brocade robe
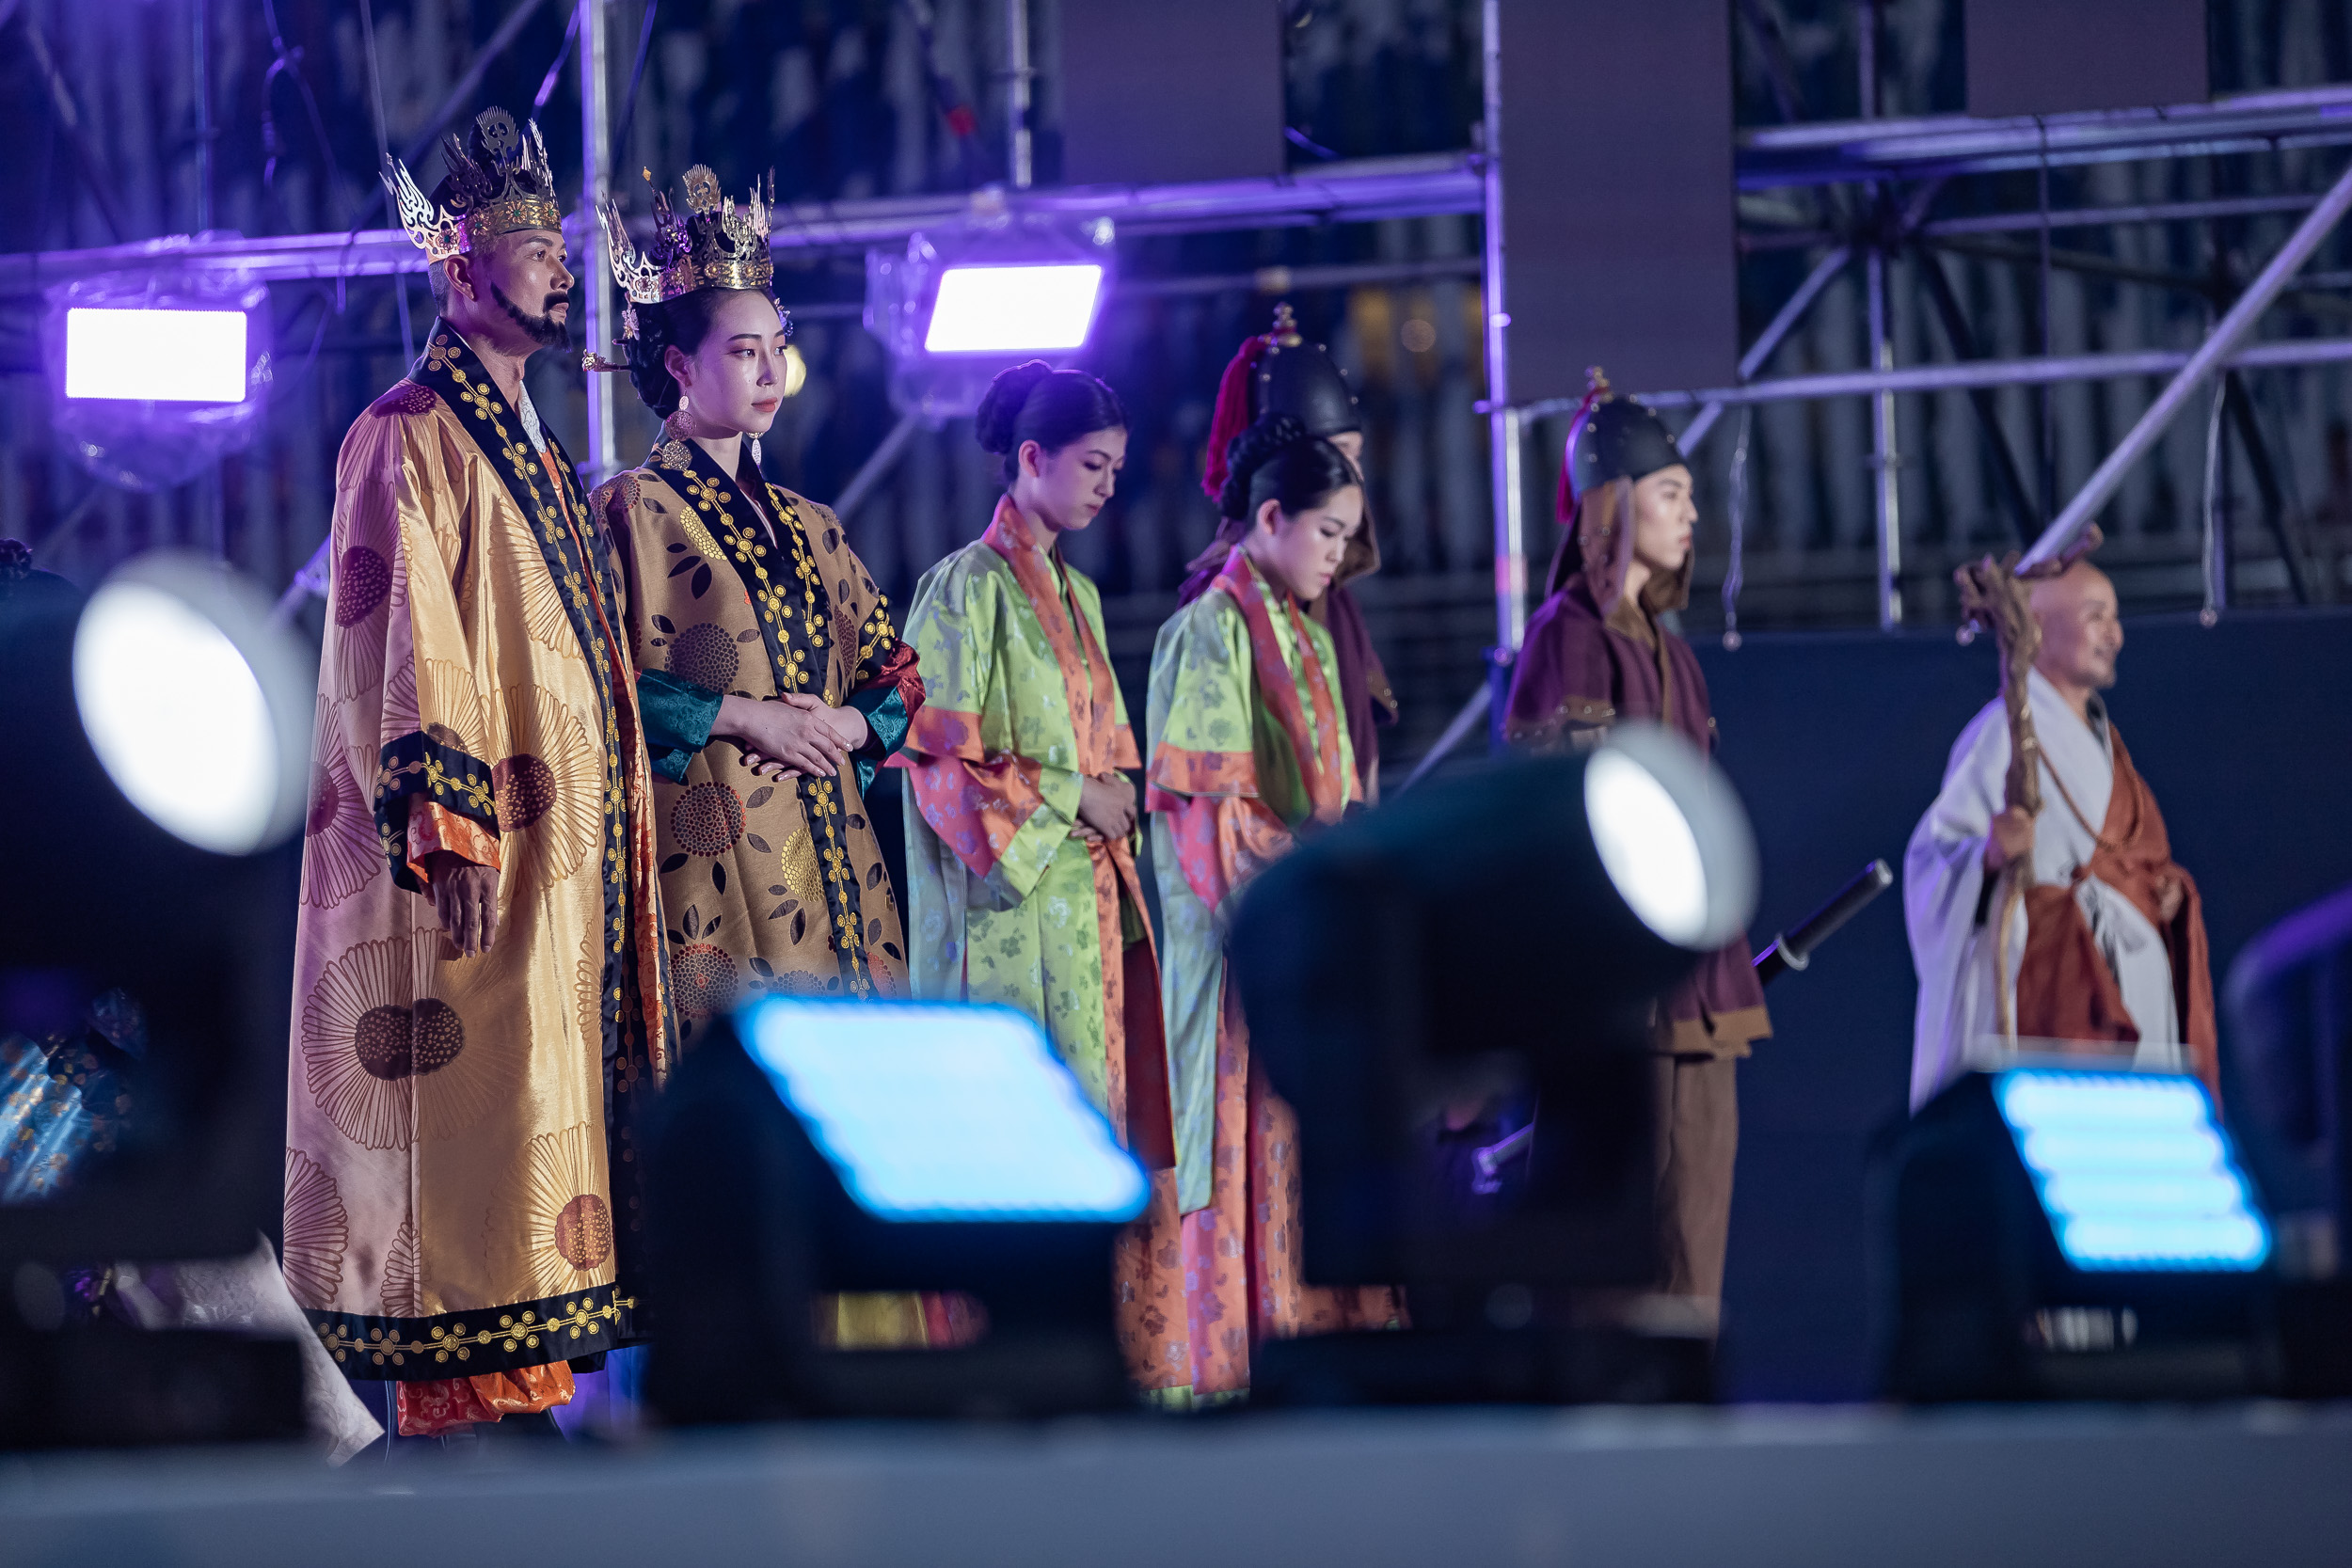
{"x": 1250, "y": 745}
{"x": 1008, "y": 905}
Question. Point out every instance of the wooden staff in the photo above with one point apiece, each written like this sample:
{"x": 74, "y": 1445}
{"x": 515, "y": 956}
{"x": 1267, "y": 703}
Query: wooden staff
{"x": 1995, "y": 597}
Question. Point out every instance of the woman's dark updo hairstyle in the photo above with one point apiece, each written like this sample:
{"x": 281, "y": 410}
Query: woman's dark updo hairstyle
{"x": 680, "y": 323}
{"x": 1037, "y": 403}
{"x": 1276, "y": 460}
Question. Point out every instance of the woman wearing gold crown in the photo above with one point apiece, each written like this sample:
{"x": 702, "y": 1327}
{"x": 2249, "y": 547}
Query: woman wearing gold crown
{"x": 773, "y": 681}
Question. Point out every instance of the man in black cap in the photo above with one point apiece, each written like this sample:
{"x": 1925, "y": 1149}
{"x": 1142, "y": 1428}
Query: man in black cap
{"x": 1281, "y": 372}
{"x": 1596, "y": 653}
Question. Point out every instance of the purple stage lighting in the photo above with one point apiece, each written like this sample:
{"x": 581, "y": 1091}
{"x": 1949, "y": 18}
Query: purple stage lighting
{"x": 155, "y": 356}
{"x": 960, "y": 304}
{"x": 157, "y": 375}
{"x": 1013, "y": 309}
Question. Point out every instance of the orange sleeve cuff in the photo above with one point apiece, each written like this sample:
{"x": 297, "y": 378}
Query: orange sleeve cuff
{"x": 433, "y": 827}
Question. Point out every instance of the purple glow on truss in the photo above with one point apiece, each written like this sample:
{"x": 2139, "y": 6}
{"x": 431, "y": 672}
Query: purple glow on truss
{"x": 1013, "y": 309}
{"x": 155, "y": 356}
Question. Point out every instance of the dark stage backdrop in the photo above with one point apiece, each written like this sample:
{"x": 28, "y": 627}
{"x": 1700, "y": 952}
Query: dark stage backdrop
{"x": 1837, "y": 743}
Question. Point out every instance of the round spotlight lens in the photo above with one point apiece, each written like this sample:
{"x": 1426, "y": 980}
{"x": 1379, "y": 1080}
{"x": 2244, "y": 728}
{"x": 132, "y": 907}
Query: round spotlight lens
{"x": 1672, "y": 836}
{"x": 191, "y": 704}
{"x": 1647, "y": 847}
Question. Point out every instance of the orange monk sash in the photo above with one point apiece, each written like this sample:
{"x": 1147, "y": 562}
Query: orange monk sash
{"x": 2065, "y": 989}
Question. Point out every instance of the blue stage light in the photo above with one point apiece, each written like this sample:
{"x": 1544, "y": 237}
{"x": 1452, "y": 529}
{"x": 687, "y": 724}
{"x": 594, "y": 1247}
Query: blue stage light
{"x": 939, "y": 1112}
{"x": 2133, "y": 1171}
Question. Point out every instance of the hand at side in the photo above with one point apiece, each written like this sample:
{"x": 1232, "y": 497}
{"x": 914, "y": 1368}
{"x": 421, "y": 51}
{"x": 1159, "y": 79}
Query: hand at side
{"x": 466, "y": 898}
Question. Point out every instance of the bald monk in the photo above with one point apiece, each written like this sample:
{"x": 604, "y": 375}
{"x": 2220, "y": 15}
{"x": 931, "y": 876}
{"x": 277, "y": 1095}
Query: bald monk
{"x": 2112, "y": 945}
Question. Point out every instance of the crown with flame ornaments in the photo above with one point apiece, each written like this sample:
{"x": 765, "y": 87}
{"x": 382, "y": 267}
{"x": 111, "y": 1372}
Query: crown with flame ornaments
{"x": 713, "y": 244}
{"x": 498, "y": 182}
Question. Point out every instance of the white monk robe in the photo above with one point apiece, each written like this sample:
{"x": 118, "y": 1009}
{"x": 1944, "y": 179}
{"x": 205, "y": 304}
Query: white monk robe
{"x": 1952, "y": 916}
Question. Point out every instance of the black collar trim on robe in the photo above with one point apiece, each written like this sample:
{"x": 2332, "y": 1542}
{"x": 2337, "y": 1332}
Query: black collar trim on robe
{"x": 454, "y": 372}
{"x": 797, "y": 630}
{"x": 553, "y": 504}
{"x": 465, "y": 1344}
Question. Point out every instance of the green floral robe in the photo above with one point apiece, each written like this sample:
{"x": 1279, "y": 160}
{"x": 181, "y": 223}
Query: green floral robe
{"x": 1006, "y": 906}
{"x": 1249, "y": 743}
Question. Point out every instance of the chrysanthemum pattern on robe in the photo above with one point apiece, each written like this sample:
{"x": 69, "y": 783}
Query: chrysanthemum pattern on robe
{"x": 388, "y": 1060}
{"x": 359, "y": 1043}
{"x": 317, "y": 1230}
{"x": 451, "y": 710}
{"x": 549, "y": 782}
{"x": 340, "y": 852}
{"x": 571, "y": 1225}
{"x": 544, "y": 619}
{"x": 359, "y": 599}
{"x": 402, "y": 1292}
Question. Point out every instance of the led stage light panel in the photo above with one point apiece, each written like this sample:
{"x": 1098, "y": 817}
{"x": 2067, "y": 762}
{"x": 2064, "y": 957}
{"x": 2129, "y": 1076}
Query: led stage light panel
{"x": 2133, "y": 1171}
{"x": 1013, "y": 309}
{"x": 155, "y": 356}
{"x": 939, "y": 1111}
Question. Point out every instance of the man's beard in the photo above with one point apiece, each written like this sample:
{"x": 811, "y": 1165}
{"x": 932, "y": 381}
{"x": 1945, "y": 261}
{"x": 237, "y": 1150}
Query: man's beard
{"x": 545, "y": 331}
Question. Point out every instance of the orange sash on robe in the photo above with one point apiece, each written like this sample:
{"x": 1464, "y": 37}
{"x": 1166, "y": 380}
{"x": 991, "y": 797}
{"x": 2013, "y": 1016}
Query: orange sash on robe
{"x": 2065, "y": 989}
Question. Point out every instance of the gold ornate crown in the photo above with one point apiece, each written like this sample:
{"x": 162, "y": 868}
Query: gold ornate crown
{"x": 712, "y": 245}
{"x": 498, "y": 182}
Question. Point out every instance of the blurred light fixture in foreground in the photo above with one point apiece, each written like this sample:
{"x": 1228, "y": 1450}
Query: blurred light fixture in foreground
{"x": 944, "y": 1113}
{"x": 1671, "y": 836}
{"x": 1013, "y": 309}
{"x": 199, "y": 708}
{"x": 2047, "y": 1232}
{"x": 2132, "y": 1171}
{"x": 155, "y": 356}
{"x": 881, "y": 1146}
{"x": 1504, "y": 934}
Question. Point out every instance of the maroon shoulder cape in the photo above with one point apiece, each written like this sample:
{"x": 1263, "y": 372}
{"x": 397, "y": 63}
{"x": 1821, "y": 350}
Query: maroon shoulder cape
{"x": 1577, "y": 674}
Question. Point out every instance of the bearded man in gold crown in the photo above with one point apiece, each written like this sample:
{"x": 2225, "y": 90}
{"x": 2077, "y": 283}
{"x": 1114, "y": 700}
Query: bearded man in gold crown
{"x": 479, "y": 993}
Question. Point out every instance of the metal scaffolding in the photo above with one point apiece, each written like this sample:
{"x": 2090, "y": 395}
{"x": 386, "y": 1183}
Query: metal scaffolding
{"x": 1867, "y": 157}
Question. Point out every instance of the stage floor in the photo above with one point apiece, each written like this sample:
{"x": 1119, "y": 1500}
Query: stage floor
{"x": 2259, "y": 1483}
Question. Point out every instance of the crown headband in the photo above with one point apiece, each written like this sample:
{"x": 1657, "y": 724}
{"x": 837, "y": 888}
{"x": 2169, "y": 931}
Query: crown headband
{"x": 712, "y": 245}
{"x": 499, "y": 182}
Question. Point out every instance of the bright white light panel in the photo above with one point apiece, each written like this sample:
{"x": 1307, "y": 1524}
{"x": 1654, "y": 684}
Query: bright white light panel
{"x": 1013, "y": 309}
{"x": 2133, "y": 1172}
{"x": 155, "y": 356}
{"x": 937, "y": 1112}
{"x": 158, "y": 684}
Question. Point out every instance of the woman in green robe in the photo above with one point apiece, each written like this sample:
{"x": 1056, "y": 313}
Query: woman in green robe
{"x": 1021, "y": 826}
{"x": 1249, "y": 748}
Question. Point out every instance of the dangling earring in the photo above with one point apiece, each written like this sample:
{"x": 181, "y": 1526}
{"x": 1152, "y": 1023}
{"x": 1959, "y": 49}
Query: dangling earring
{"x": 754, "y": 452}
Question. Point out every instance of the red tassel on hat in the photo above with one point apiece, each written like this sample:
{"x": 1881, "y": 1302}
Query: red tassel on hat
{"x": 1232, "y": 415}
{"x": 1596, "y": 389}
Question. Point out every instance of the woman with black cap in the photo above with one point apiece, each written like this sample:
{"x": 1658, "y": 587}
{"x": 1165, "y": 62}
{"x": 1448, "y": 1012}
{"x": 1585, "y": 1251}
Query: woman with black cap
{"x": 1250, "y": 749}
{"x": 1596, "y": 653}
{"x": 1279, "y": 372}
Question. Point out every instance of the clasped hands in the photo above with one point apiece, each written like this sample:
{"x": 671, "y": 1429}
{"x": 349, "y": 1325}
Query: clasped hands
{"x": 792, "y": 735}
{"x": 1106, "y": 808}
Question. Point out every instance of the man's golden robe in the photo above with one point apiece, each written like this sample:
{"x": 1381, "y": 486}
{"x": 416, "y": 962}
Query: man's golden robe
{"x": 461, "y": 1194}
